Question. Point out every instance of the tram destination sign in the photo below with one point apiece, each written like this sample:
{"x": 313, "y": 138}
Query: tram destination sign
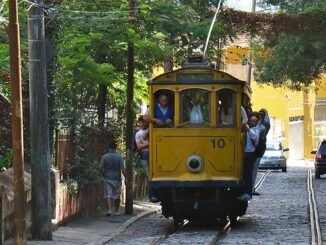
{"x": 195, "y": 78}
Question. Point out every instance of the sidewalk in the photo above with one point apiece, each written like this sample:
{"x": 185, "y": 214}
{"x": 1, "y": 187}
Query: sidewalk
{"x": 98, "y": 228}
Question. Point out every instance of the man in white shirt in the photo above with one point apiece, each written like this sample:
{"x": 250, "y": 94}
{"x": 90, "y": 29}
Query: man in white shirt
{"x": 249, "y": 156}
{"x": 261, "y": 150}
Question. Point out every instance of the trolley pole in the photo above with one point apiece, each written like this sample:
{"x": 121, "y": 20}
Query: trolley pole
{"x": 130, "y": 114}
{"x": 17, "y": 125}
{"x": 39, "y": 124}
{"x": 253, "y": 9}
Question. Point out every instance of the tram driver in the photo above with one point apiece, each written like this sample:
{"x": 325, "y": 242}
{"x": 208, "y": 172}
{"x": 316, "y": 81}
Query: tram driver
{"x": 163, "y": 113}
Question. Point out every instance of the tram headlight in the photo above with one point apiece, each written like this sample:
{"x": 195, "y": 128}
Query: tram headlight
{"x": 194, "y": 163}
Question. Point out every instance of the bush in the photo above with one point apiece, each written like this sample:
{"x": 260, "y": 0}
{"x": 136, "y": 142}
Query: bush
{"x": 6, "y": 161}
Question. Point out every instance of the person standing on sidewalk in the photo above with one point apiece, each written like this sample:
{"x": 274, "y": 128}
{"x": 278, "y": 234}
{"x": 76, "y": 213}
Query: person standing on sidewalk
{"x": 111, "y": 167}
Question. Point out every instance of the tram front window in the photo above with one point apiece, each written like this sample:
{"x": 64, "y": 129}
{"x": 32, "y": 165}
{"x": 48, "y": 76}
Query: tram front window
{"x": 194, "y": 108}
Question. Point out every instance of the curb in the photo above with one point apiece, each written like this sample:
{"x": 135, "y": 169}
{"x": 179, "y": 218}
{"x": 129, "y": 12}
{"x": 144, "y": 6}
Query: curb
{"x": 125, "y": 225}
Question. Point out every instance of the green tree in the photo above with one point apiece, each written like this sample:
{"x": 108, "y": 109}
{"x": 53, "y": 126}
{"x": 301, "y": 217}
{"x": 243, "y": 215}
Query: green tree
{"x": 296, "y": 47}
{"x": 4, "y": 72}
{"x": 292, "y": 6}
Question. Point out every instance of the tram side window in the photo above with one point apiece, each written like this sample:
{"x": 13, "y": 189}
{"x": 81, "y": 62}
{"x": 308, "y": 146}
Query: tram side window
{"x": 194, "y": 108}
{"x": 163, "y": 109}
{"x": 226, "y": 105}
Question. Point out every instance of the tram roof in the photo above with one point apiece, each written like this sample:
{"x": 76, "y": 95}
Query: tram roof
{"x": 195, "y": 75}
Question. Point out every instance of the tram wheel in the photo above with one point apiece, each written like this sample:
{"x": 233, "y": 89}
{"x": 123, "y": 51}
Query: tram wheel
{"x": 317, "y": 174}
{"x": 178, "y": 221}
{"x": 234, "y": 219}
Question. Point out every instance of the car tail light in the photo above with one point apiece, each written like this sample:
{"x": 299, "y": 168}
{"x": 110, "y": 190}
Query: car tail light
{"x": 318, "y": 156}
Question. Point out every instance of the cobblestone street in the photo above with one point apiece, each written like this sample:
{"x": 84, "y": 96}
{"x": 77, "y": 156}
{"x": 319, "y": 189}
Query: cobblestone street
{"x": 320, "y": 193}
{"x": 280, "y": 215}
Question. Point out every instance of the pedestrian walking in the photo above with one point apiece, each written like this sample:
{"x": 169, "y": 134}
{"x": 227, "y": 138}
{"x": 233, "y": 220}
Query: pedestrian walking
{"x": 111, "y": 167}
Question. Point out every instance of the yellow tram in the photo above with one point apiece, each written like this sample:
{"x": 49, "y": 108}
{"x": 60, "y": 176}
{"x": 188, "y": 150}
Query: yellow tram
{"x": 196, "y": 164}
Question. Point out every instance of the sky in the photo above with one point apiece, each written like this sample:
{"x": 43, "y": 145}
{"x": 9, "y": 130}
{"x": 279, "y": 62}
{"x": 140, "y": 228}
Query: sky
{"x": 243, "y": 5}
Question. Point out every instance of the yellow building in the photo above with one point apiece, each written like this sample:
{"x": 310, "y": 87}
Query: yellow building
{"x": 298, "y": 118}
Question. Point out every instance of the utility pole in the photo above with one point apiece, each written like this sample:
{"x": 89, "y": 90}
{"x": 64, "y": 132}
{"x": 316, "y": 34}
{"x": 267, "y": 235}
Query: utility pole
{"x": 130, "y": 114}
{"x": 253, "y": 9}
{"x": 39, "y": 125}
{"x": 17, "y": 125}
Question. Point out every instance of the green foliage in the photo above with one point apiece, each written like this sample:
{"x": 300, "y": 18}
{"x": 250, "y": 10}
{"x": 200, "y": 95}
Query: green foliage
{"x": 6, "y": 161}
{"x": 4, "y": 54}
{"x": 293, "y": 6}
{"x": 290, "y": 59}
{"x": 5, "y": 91}
{"x": 72, "y": 186}
{"x": 201, "y": 6}
{"x": 293, "y": 54}
{"x": 90, "y": 174}
{"x": 137, "y": 166}
{"x": 294, "y": 64}
{"x": 294, "y": 59}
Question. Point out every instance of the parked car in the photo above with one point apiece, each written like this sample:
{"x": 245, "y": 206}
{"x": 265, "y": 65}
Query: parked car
{"x": 320, "y": 159}
{"x": 274, "y": 157}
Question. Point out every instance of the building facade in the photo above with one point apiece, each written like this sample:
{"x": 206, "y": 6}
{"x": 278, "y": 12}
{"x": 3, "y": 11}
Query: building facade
{"x": 298, "y": 118}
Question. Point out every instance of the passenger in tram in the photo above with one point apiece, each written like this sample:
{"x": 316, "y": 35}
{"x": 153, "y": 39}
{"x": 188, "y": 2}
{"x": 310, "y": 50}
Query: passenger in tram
{"x": 244, "y": 117}
{"x": 136, "y": 129}
{"x": 196, "y": 113}
{"x": 142, "y": 141}
{"x": 163, "y": 113}
{"x": 195, "y": 107}
{"x": 252, "y": 137}
{"x": 141, "y": 138}
{"x": 248, "y": 110}
{"x": 265, "y": 119}
{"x": 226, "y": 111}
{"x": 262, "y": 146}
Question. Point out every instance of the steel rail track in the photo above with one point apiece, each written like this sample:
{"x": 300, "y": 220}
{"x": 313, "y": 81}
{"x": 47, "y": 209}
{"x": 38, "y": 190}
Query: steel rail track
{"x": 219, "y": 234}
{"x": 261, "y": 180}
{"x": 222, "y": 233}
{"x": 171, "y": 229}
{"x": 313, "y": 211}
